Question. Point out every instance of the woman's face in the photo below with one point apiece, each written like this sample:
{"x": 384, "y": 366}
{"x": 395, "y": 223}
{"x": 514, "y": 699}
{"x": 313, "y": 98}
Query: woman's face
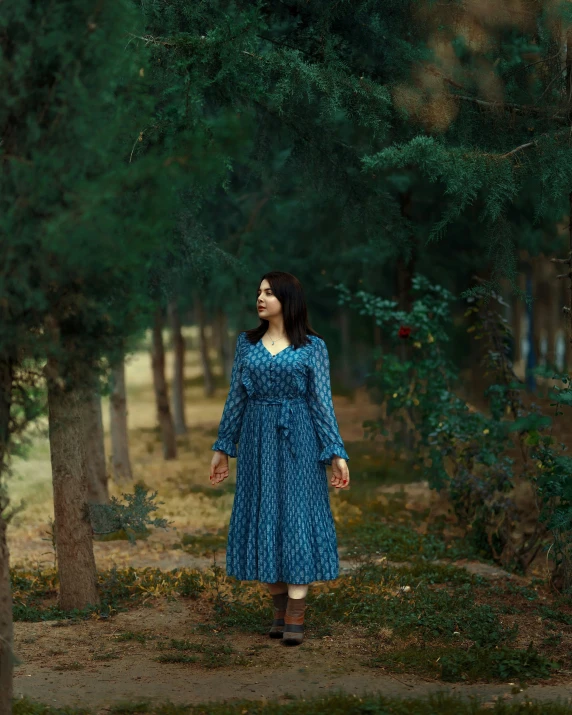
{"x": 267, "y": 303}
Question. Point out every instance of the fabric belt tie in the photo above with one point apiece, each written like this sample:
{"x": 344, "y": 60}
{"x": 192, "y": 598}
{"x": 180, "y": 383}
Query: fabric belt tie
{"x": 286, "y": 410}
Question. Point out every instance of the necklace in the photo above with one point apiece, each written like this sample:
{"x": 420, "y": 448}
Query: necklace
{"x": 275, "y": 341}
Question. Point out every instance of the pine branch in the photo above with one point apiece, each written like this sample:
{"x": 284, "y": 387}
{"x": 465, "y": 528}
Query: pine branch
{"x": 535, "y": 142}
{"x": 520, "y": 108}
{"x": 290, "y": 47}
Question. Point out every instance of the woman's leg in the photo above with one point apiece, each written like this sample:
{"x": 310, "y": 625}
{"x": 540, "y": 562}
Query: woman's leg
{"x": 278, "y": 587}
{"x": 279, "y": 593}
{"x": 296, "y": 590}
{"x": 294, "y": 617}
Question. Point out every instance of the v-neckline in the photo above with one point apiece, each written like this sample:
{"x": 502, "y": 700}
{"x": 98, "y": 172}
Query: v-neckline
{"x": 274, "y": 354}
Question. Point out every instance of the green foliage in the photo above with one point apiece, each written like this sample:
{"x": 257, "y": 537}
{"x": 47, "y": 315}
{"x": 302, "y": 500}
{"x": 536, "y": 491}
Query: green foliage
{"x": 131, "y": 518}
{"x": 458, "y": 448}
{"x": 453, "y": 665}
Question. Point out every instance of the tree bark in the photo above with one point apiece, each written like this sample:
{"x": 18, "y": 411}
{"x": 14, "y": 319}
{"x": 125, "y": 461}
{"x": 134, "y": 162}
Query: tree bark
{"x": 378, "y": 343}
{"x": 161, "y": 393}
{"x": 74, "y": 546}
{"x": 178, "y": 371}
{"x": 223, "y": 343}
{"x": 403, "y": 287}
{"x": 345, "y": 347}
{"x": 227, "y": 351}
{"x": 95, "y": 464}
{"x": 6, "y": 625}
{"x": 204, "y": 347}
{"x": 517, "y": 316}
{"x": 120, "y": 461}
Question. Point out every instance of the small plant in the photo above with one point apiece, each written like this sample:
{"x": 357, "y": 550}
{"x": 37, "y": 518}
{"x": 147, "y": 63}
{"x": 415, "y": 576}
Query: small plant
{"x": 130, "y": 519}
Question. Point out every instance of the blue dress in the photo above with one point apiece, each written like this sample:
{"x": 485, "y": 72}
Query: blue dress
{"x": 279, "y": 410}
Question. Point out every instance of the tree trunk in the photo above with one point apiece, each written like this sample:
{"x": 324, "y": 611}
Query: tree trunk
{"x": 378, "y": 343}
{"x": 226, "y": 351}
{"x": 345, "y": 347}
{"x": 178, "y": 371}
{"x": 120, "y": 462}
{"x": 403, "y": 285}
{"x": 564, "y": 300}
{"x": 540, "y": 294}
{"x": 517, "y": 316}
{"x": 551, "y": 329}
{"x": 161, "y": 393}
{"x": 204, "y": 348}
{"x": 6, "y": 626}
{"x": 95, "y": 464}
{"x": 216, "y": 336}
{"x": 74, "y": 546}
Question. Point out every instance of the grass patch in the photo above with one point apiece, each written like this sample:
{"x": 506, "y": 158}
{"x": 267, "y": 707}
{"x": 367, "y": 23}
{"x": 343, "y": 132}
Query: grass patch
{"x": 109, "y": 655}
{"x": 69, "y": 666}
{"x": 552, "y": 614}
{"x": 406, "y": 604}
{"x": 35, "y": 592}
{"x": 225, "y": 488}
{"x": 131, "y": 636}
{"x": 336, "y": 704}
{"x": 372, "y": 465}
{"x": 488, "y": 664}
{"x": 209, "y": 655}
{"x": 205, "y": 542}
{"x": 399, "y": 542}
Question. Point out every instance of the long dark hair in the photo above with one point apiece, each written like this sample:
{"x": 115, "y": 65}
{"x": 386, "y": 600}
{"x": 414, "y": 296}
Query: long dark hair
{"x": 288, "y": 289}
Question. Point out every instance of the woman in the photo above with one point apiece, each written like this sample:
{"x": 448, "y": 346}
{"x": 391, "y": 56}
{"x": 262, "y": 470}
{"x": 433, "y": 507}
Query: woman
{"x": 281, "y": 530}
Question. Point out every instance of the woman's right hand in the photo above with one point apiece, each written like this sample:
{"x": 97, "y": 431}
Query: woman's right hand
{"x": 219, "y": 467}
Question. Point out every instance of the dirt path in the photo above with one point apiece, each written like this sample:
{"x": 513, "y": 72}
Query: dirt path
{"x": 88, "y": 663}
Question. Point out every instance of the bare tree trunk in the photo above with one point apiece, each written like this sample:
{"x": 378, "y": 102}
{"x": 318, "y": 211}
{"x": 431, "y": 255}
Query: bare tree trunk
{"x": 203, "y": 347}
{"x": 120, "y": 461}
{"x": 216, "y": 332}
{"x": 95, "y": 464}
{"x": 74, "y": 546}
{"x": 161, "y": 393}
{"x": 540, "y": 296}
{"x": 378, "y": 343}
{"x": 564, "y": 301}
{"x": 403, "y": 287}
{"x": 227, "y": 351}
{"x": 178, "y": 370}
{"x": 6, "y": 626}
{"x": 551, "y": 329}
{"x": 345, "y": 346}
{"x": 517, "y": 316}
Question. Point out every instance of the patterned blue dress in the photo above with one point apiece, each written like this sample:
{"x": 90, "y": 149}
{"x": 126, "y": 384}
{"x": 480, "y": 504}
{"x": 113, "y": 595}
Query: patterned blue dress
{"x": 280, "y": 406}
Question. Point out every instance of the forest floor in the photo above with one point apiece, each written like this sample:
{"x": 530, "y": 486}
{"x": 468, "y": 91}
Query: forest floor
{"x": 415, "y": 610}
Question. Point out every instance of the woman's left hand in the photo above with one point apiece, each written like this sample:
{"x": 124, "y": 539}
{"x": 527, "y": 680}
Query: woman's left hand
{"x": 340, "y": 473}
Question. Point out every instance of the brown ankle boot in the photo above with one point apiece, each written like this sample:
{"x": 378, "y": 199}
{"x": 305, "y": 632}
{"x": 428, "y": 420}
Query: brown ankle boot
{"x": 294, "y": 621}
{"x": 280, "y": 602}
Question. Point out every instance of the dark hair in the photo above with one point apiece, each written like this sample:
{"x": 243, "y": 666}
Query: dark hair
{"x": 288, "y": 289}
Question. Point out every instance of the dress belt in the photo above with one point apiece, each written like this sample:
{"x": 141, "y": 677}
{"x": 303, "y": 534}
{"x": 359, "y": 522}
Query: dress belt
{"x": 283, "y": 426}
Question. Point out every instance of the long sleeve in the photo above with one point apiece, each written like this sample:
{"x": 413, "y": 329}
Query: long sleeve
{"x": 231, "y": 420}
{"x": 321, "y": 404}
